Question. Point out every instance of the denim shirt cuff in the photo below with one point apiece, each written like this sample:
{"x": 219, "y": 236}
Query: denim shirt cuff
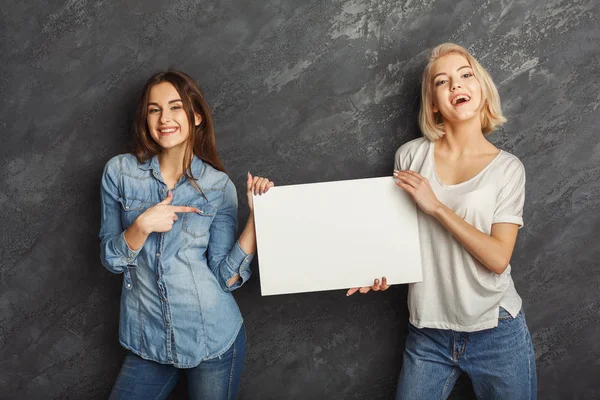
{"x": 127, "y": 255}
{"x": 238, "y": 262}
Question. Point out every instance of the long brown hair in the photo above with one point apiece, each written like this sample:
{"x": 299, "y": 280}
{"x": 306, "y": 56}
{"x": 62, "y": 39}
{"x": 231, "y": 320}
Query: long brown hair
{"x": 200, "y": 141}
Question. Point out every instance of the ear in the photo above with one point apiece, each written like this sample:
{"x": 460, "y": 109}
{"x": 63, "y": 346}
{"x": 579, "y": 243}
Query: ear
{"x": 197, "y": 119}
{"x": 435, "y": 109}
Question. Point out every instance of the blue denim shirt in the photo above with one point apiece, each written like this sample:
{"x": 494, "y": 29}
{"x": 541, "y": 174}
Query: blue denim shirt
{"x": 176, "y": 306}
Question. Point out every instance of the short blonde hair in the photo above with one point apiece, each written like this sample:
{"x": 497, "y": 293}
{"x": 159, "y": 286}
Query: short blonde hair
{"x": 491, "y": 112}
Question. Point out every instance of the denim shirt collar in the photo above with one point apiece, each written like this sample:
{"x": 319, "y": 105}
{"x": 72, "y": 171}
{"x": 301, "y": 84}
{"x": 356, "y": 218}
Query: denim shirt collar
{"x": 153, "y": 164}
{"x": 197, "y": 166}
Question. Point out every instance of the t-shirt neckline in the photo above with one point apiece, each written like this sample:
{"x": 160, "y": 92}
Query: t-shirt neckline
{"x": 463, "y": 183}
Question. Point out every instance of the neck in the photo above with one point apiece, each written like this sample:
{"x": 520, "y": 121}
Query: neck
{"x": 463, "y": 138}
{"x": 171, "y": 161}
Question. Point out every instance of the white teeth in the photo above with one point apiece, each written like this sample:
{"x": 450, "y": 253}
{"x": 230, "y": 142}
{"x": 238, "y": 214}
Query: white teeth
{"x": 167, "y": 130}
{"x": 459, "y": 97}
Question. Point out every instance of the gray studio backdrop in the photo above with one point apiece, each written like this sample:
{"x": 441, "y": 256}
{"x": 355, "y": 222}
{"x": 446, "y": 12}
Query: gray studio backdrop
{"x": 302, "y": 91}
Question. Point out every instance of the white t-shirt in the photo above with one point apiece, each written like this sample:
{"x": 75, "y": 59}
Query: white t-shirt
{"x": 457, "y": 291}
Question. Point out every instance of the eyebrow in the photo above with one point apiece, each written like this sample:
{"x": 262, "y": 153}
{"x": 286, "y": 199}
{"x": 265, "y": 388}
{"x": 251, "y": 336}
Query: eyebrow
{"x": 172, "y": 101}
{"x": 443, "y": 73}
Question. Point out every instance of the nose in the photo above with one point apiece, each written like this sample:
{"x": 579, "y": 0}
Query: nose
{"x": 455, "y": 86}
{"x": 165, "y": 116}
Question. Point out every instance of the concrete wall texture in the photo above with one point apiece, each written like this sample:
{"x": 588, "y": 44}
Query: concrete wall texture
{"x": 302, "y": 92}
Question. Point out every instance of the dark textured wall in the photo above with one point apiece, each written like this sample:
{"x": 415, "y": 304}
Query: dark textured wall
{"x": 302, "y": 92}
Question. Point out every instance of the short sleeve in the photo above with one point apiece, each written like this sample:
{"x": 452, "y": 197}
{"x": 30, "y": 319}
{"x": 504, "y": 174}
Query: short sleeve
{"x": 403, "y": 157}
{"x": 511, "y": 197}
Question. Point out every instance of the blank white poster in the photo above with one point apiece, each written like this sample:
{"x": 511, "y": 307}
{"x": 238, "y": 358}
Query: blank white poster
{"x": 336, "y": 235}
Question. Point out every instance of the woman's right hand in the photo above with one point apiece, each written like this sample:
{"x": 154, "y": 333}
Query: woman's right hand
{"x": 376, "y": 287}
{"x": 160, "y": 217}
{"x": 258, "y": 186}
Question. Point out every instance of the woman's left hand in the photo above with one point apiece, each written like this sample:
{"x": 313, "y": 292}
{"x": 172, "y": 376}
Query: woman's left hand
{"x": 256, "y": 185}
{"x": 420, "y": 190}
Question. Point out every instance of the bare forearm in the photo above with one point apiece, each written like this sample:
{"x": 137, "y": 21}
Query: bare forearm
{"x": 248, "y": 237}
{"x": 491, "y": 252}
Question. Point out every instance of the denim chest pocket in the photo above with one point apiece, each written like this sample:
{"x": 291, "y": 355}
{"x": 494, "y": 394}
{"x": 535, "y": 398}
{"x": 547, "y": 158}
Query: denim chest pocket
{"x": 131, "y": 209}
{"x": 198, "y": 224}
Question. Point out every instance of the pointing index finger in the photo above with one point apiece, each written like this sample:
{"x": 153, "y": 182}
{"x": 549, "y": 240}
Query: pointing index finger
{"x": 185, "y": 209}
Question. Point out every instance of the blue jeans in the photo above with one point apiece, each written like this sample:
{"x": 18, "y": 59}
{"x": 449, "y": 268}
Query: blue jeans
{"x": 215, "y": 379}
{"x": 500, "y": 361}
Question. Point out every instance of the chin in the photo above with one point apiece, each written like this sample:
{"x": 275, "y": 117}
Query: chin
{"x": 467, "y": 116}
{"x": 171, "y": 144}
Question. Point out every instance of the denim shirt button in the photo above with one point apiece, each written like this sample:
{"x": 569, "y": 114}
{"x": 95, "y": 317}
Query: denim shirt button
{"x": 127, "y": 207}
{"x": 128, "y": 286}
{"x": 157, "y": 254}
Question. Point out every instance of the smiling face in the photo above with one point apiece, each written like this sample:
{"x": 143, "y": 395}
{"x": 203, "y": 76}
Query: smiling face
{"x": 456, "y": 92}
{"x": 167, "y": 120}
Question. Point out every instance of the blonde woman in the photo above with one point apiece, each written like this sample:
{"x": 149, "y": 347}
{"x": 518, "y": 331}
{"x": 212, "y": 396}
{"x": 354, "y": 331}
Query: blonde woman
{"x": 465, "y": 316}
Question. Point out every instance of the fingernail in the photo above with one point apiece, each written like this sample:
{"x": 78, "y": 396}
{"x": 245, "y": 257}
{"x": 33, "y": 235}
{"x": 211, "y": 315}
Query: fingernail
{"x": 377, "y": 281}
